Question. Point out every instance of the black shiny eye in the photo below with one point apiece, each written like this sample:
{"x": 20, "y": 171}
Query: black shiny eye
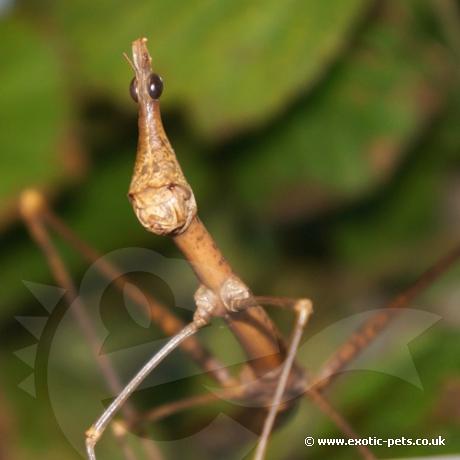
{"x": 133, "y": 90}
{"x": 155, "y": 86}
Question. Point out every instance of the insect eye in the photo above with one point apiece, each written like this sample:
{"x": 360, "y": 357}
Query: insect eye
{"x": 133, "y": 90}
{"x": 155, "y": 86}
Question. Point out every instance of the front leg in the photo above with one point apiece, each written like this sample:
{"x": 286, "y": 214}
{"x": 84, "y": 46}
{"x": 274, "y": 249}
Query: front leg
{"x": 208, "y": 305}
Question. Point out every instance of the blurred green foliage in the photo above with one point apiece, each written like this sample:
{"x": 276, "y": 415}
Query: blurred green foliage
{"x": 34, "y": 109}
{"x": 229, "y": 63}
{"x": 321, "y": 138}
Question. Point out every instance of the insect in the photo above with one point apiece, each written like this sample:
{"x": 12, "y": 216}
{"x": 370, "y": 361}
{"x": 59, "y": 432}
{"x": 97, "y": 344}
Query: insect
{"x": 164, "y": 204}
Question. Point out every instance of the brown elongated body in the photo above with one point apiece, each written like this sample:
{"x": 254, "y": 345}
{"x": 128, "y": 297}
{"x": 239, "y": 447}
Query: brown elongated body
{"x": 164, "y": 204}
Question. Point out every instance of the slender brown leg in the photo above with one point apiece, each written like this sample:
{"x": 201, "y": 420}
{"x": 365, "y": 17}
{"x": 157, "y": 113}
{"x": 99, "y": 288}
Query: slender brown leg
{"x": 378, "y": 322}
{"x": 166, "y": 410}
{"x": 303, "y": 309}
{"x": 316, "y": 397}
{"x": 323, "y": 404}
{"x": 171, "y": 408}
{"x": 30, "y": 208}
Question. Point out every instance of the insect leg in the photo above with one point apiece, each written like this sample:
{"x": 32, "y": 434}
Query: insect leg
{"x": 206, "y": 303}
{"x": 162, "y": 316}
{"x": 377, "y": 323}
{"x": 317, "y": 398}
{"x": 31, "y": 207}
{"x": 97, "y": 429}
{"x": 303, "y": 309}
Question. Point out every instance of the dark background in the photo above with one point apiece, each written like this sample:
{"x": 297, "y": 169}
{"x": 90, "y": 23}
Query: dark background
{"x": 322, "y": 141}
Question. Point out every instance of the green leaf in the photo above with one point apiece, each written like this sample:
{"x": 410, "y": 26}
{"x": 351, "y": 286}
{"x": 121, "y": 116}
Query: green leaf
{"x": 415, "y": 207}
{"x": 350, "y": 136}
{"x": 233, "y": 63}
